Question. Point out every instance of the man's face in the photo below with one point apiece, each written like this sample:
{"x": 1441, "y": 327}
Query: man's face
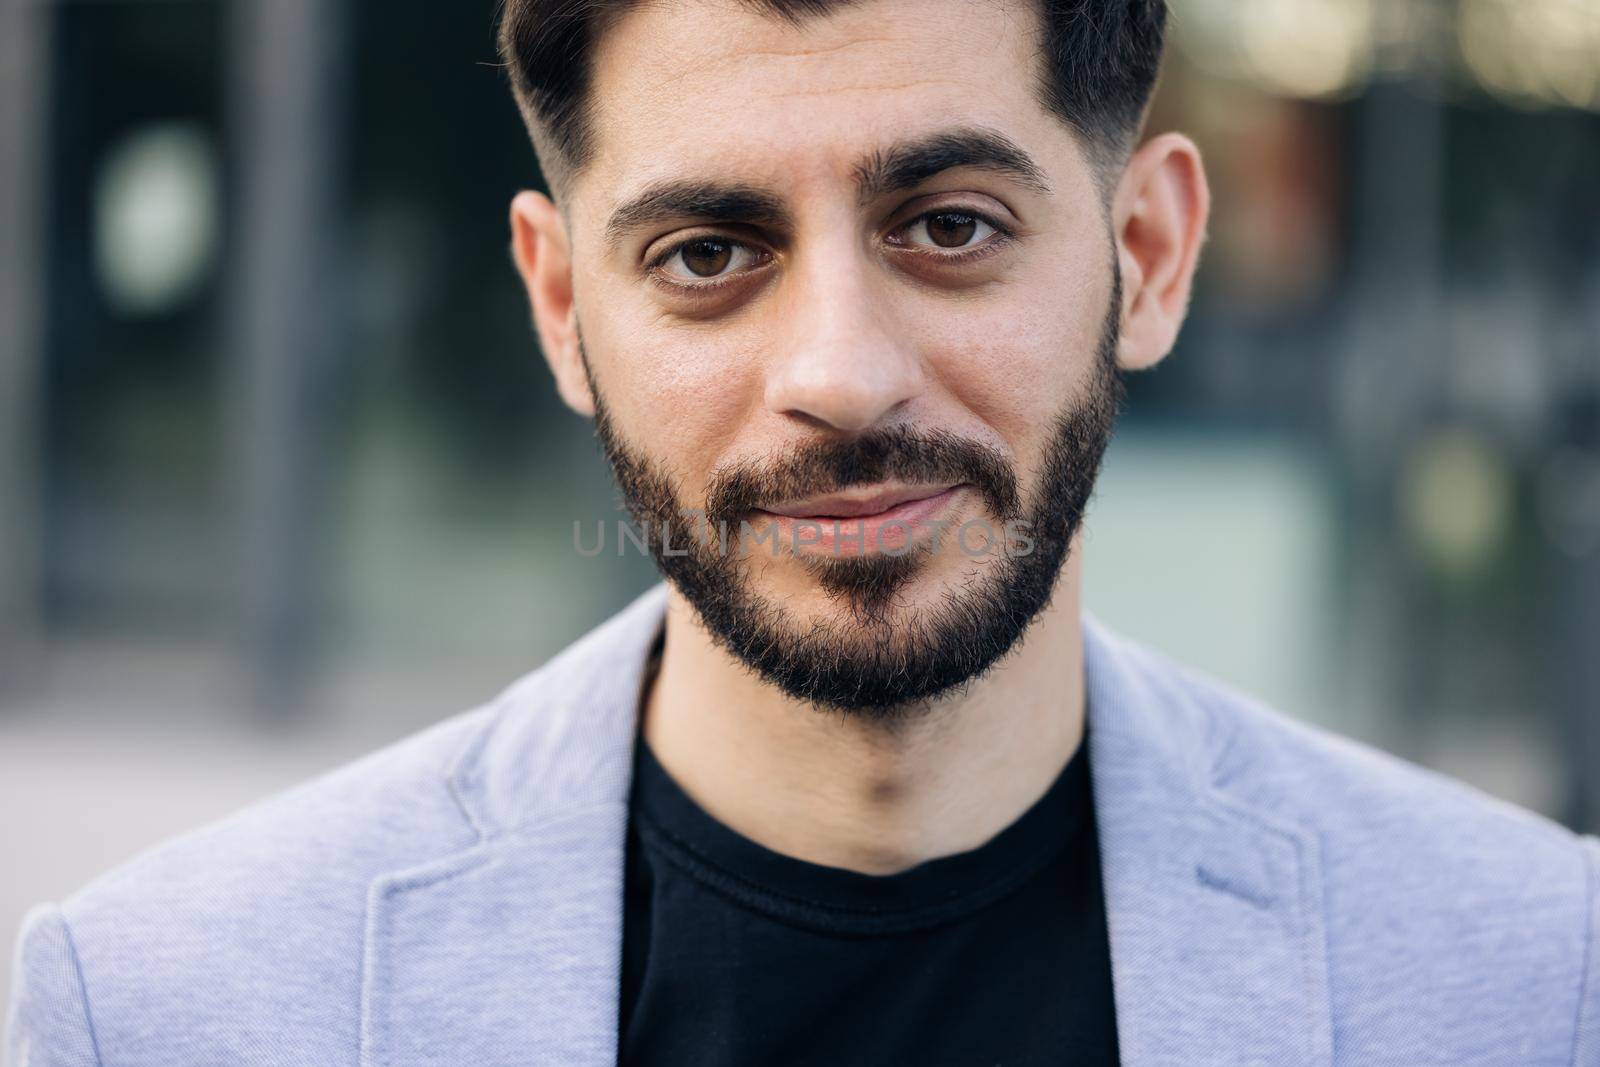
{"x": 850, "y": 265}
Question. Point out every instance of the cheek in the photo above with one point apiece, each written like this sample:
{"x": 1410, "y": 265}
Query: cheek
{"x": 1015, "y": 362}
{"x": 680, "y": 396}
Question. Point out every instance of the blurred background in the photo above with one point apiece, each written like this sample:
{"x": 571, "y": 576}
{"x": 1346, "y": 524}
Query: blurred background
{"x": 282, "y": 476}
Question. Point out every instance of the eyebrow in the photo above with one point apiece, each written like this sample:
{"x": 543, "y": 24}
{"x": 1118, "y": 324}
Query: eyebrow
{"x": 883, "y": 171}
{"x": 904, "y": 166}
{"x": 670, "y": 200}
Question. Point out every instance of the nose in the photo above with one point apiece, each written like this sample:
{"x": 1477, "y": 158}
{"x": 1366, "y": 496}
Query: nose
{"x": 840, "y": 363}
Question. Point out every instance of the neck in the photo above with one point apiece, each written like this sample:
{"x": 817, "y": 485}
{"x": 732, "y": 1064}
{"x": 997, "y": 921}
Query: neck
{"x": 846, "y": 792}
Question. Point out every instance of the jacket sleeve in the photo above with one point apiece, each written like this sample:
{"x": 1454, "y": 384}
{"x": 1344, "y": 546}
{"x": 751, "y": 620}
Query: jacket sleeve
{"x": 48, "y": 1024}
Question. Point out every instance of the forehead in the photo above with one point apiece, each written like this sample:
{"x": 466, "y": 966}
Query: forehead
{"x": 694, "y": 89}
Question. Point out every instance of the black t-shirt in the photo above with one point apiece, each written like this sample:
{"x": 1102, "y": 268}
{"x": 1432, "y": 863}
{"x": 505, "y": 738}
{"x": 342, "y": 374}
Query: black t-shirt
{"x": 737, "y": 955}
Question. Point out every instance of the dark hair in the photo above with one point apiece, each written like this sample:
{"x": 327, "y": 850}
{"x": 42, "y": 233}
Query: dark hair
{"x": 1100, "y": 63}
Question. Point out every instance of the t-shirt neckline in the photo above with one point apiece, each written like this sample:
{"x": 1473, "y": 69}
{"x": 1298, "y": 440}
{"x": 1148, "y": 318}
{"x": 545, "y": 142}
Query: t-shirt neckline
{"x": 673, "y": 826}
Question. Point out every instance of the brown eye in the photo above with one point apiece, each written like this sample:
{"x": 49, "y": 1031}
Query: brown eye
{"x": 707, "y": 258}
{"x": 948, "y": 229}
{"x": 704, "y": 258}
{"x": 951, "y": 230}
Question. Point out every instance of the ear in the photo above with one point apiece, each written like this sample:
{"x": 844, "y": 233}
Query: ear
{"x": 543, "y": 253}
{"x": 1158, "y": 215}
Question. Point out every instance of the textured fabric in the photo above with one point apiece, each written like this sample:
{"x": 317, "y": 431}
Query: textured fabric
{"x": 1274, "y": 895}
{"x": 49, "y": 1023}
{"x": 734, "y": 954}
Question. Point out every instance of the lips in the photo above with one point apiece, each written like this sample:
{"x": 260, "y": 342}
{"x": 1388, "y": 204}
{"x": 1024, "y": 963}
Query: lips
{"x": 886, "y": 519}
{"x": 865, "y": 504}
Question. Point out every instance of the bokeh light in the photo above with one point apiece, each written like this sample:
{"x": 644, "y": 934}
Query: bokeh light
{"x": 1533, "y": 52}
{"x": 155, "y": 219}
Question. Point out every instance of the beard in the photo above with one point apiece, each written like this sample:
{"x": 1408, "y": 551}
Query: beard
{"x": 879, "y": 658}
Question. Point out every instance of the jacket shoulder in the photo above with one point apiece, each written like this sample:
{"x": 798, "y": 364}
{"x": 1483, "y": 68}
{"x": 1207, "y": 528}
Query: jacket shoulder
{"x": 240, "y": 941}
{"x": 365, "y": 814}
{"x": 1439, "y": 899}
{"x": 1267, "y": 759}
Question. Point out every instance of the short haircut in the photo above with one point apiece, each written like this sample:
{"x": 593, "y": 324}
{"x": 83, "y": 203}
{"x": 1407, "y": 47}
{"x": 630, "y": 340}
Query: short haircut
{"x": 1099, "y": 65}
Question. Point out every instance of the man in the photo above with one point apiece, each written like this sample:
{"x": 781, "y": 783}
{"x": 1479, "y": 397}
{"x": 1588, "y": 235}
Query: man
{"x": 848, "y": 288}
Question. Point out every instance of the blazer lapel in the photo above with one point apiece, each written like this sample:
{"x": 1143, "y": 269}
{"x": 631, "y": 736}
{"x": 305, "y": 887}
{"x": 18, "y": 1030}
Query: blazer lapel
{"x": 508, "y": 954}
{"x": 1213, "y": 908}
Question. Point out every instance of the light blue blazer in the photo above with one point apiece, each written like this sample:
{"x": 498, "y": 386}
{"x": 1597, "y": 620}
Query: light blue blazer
{"x": 1275, "y": 895}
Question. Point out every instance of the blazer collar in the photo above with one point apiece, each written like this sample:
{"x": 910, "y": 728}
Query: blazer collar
{"x": 1213, "y": 907}
{"x": 509, "y": 952}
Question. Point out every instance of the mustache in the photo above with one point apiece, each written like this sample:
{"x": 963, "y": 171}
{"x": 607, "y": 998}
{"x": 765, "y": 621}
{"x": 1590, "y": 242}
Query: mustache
{"x": 898, "y": 453}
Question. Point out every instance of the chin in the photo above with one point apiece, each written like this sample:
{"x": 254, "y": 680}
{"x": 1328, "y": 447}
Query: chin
{"x": 875, "y": 594}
